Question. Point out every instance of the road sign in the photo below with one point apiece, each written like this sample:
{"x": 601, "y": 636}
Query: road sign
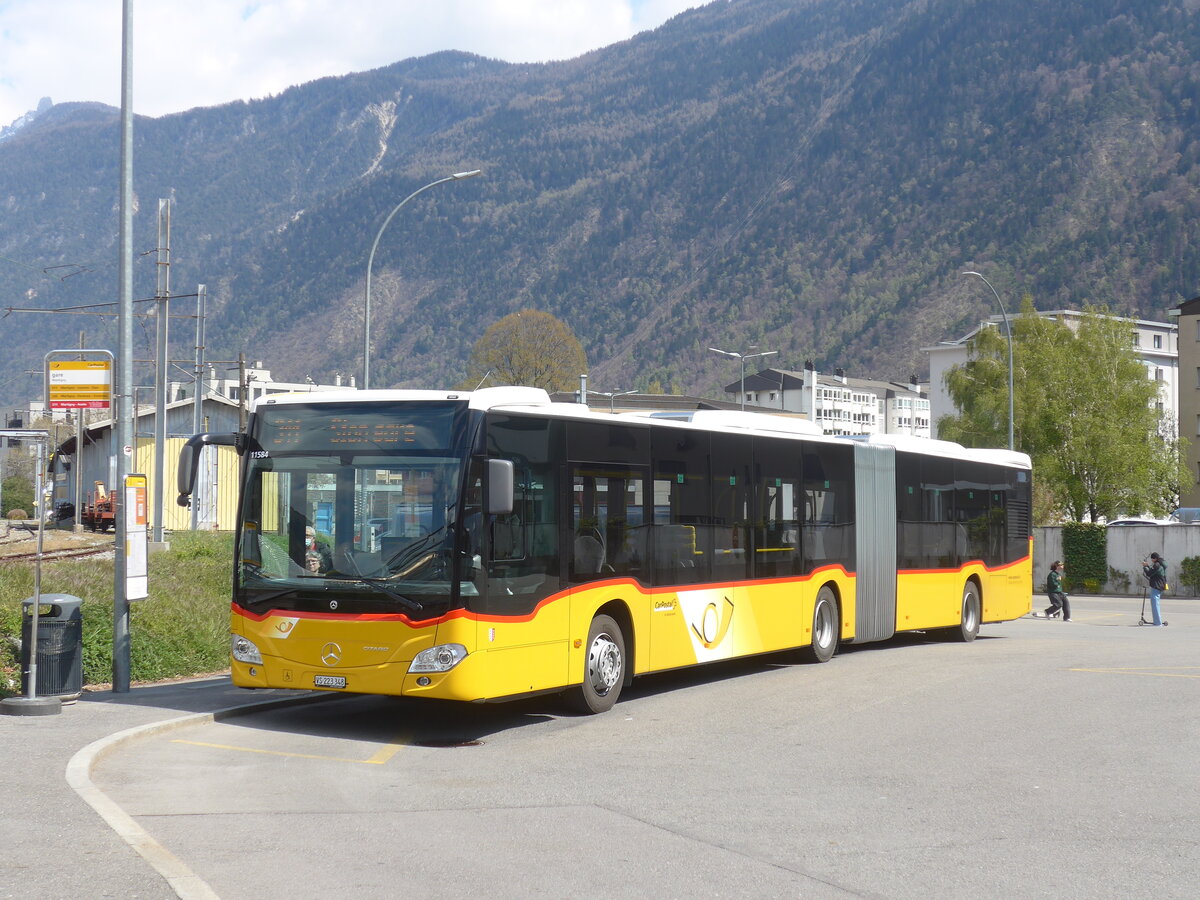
{"x": 79, "y": 383}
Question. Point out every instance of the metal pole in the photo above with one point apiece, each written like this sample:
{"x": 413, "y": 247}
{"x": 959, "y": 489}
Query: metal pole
{"x": 1008, "y": 331}
{"x": 78, "y": 467}
{"x": 124, "y": 423}
{"x": 457, "y": 176}
{"x": 163, "y": 306}
{"x": 39, "y": 503}
{"x": 198, "y": 381}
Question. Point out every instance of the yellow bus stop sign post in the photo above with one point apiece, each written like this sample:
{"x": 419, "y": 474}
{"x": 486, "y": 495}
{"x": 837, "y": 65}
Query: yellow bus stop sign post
{"x": 78, "y": 383}
{"x": 136, "y": 509}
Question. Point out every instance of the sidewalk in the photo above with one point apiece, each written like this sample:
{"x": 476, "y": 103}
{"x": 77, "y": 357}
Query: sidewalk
{"x": 53, "y": 844}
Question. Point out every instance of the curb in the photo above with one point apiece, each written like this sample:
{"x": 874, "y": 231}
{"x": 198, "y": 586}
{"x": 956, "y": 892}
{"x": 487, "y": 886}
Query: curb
{"x": 186, "y": 884}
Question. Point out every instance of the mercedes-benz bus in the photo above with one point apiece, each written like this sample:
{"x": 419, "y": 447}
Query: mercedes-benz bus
{"x": 493, "y": 544}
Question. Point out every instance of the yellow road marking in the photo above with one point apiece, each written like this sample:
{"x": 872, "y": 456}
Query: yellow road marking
{"x": 384, "y": 754}
{"x": 1166, "y": 672}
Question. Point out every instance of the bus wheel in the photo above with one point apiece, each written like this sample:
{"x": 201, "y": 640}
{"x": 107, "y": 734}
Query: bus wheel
{"x": 604, "y": 668}
{"x": 968, "y": 629}
{"x": 825, "y": 627}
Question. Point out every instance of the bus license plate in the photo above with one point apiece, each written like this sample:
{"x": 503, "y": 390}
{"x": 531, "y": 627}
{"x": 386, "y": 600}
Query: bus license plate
{"x": 329, "y": 681}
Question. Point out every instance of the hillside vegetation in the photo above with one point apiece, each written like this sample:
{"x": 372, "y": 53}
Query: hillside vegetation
{"x": 804, "y": 175}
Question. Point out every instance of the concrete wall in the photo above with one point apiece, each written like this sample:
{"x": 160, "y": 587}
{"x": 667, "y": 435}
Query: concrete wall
{"x": 1128, "y": 545}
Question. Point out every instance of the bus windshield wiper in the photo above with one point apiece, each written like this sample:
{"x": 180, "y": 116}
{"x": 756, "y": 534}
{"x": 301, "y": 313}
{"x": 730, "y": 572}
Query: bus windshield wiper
{"x": 262, "y": 584}
{"x": 375, "y": 584}
{"x": 402, "y": 561}
{"x": 276, "y": 595}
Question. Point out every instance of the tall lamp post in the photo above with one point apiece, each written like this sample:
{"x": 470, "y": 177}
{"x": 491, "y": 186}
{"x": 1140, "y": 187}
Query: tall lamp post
{"x": 457, "y": 176}
{"x": 742, "y": 357}
{"x": 1008, "y": 330}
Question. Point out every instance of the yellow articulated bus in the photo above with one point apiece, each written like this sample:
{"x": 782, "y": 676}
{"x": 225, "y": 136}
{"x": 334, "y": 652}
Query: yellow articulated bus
{"x": 492, "y": 544}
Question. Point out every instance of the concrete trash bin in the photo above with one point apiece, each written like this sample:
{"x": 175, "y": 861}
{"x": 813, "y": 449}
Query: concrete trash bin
{"x": 59, "y": 646}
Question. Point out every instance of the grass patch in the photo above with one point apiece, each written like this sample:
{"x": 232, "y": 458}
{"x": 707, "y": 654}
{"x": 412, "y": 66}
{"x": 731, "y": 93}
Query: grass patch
{"x": 181, "y": 629}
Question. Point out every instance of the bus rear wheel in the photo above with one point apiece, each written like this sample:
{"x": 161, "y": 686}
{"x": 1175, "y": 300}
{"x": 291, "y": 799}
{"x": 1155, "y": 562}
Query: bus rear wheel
{"x": 968, "y": 627}
{"x": 604, "y": 668}
{"x": 825, "y": 628}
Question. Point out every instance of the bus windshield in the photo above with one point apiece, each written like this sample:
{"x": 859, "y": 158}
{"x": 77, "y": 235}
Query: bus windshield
{"x": 353, "y": 509}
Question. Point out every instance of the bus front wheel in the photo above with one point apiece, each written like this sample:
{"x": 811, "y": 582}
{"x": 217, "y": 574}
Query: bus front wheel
{"x": 825, "y": 627}
{"x": 604, "y": 668}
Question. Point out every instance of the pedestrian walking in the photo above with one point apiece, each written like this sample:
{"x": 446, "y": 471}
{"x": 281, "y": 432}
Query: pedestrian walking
{"x": 1155, "y": 570}
{"x": 1059, "y": 604}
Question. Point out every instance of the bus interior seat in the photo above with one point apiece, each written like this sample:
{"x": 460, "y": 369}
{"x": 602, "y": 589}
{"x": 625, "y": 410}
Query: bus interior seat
{"x": 589, "y": 555}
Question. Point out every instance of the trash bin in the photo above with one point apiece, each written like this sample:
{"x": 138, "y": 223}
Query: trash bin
{"x": 59, "y": 646}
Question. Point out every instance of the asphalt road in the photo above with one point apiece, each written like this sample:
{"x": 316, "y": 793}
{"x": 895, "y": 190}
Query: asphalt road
{"x": 1047, "y": 759}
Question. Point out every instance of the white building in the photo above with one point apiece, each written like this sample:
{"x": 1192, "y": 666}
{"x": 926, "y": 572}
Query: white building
{"x": 838, "y": 403}
{"x": 1156, "y": 343}
{"x": 253, "y": 382}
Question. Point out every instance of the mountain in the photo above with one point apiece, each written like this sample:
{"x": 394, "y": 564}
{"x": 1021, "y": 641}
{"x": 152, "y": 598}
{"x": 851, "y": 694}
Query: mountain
{"x": 807, "y": 176}
{"x": 7, "y": 131}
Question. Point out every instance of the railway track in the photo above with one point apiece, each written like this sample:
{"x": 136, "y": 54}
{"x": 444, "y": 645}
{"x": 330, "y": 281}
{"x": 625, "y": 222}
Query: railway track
{"x": 20, "y": 552}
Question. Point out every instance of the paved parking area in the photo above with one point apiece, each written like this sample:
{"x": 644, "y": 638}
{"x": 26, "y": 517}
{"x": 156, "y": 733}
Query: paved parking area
{"x": 1046, "y": 759}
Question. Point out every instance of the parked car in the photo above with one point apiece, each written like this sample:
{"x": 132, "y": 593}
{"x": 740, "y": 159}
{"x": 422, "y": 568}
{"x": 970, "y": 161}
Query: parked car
{"x": 1137, "y": 520}
{"x": 1187, "y": 515}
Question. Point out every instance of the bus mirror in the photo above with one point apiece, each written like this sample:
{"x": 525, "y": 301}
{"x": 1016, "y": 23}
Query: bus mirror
{"x": 189, "y": 458}
{"x": 500, "y": 487}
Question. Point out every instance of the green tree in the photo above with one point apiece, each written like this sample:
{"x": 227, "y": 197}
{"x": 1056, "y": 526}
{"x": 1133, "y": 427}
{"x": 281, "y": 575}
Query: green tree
{"x": 17, "y": 493}
{"x": 1084, "y": 410}
{"x": 530, "y": 348}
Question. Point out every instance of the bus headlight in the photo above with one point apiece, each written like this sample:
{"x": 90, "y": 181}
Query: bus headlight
{"x": 441, "y": 658}
{"x": 244, "y": 650}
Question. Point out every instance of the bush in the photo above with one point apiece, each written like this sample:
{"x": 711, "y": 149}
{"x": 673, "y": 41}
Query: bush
{"x": 1189, "y": 573}
{"x": 17, "y": 514}
{"x": 1085, "y": 552}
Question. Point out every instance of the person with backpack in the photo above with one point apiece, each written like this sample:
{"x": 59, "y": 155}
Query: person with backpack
{"x": 1058, "y": 597}
{"x": 1155, "y": 570}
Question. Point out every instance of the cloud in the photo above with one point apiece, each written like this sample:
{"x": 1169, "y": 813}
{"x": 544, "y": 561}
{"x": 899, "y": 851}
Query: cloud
{"x": 206, "y": 52}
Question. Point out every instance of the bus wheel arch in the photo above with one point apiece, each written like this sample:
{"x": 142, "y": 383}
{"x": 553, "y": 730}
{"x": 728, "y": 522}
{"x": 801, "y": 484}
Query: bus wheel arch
{"x": 826, "y": 625}
{"x": 606, "y": 662}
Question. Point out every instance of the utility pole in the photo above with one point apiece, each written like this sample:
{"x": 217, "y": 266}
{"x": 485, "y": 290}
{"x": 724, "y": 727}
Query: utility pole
{"x": 243, "y": 390}
{"x": 198, "y": 382}
{"x": 78, "y": 494}
{"x": 124, "y": 419}
{"x": 162, "y": 297}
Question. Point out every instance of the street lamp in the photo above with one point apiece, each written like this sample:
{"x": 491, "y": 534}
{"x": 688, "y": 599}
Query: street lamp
{"x": 611, "y": 395}
{"x": 457, "y": 176}
{"x": 743, "y": 357}
{"x": 1008, "y": 329}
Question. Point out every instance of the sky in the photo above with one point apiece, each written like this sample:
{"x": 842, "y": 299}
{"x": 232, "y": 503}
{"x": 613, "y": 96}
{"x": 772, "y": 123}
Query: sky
{"x": 189, "y": 53}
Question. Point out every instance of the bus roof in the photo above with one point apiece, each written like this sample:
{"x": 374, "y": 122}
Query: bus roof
{"x": 513, "y": 397}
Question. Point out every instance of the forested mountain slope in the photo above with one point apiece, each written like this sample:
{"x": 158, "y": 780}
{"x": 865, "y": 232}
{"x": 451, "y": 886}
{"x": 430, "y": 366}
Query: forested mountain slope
{"x": 808, "y": 176}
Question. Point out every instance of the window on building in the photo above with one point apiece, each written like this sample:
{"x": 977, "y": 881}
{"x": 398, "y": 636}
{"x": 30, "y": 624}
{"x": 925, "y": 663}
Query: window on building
{"x": 1158, "y": 342}
{"x": 1159, "y": 375}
